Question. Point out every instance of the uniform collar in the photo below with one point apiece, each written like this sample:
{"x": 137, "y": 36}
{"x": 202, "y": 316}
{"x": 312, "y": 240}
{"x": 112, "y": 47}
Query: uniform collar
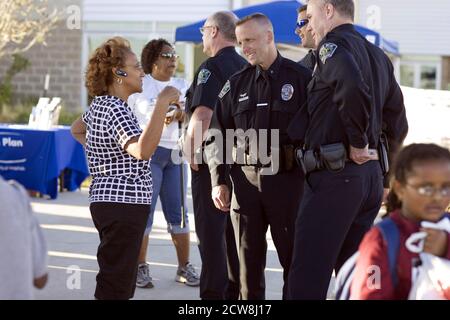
{"x": 225, "y": 49}
{"x": 344, "y": 27}
{"x": 313, "y": 53}
{"x": 273, "y": 70}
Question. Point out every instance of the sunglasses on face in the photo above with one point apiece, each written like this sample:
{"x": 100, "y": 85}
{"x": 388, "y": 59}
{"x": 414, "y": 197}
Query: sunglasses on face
{"x": 169, "y": 55}
{"x": 302, "y": 23}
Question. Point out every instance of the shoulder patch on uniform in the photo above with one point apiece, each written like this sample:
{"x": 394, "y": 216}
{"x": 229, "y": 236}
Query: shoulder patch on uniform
{"x": 203, "y": 76}
{"x": 326, "y": 51}
{"x": 225, "y": 89}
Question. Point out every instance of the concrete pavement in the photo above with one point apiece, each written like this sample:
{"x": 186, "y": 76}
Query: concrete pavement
{"x": 72, "y": 244}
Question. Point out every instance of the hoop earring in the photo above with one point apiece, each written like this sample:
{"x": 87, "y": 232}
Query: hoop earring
{"x": 119, "y": 80}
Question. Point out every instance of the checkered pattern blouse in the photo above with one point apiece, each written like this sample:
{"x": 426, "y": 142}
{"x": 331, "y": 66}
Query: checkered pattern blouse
{"x": 117, "y": 176}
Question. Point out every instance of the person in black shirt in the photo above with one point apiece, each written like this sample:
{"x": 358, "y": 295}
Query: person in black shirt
{"x": 353, "y": 101}
{"x": 214, "y": 230}
{"x": 307, "y": 42}
{"x": 261, "y": 99}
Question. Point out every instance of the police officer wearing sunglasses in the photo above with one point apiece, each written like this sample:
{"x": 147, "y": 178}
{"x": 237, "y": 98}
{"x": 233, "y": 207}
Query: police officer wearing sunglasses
{"x": 307, "y": 42}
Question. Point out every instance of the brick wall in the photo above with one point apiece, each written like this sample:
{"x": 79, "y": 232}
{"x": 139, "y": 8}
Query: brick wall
{"x": 61, "y": 58}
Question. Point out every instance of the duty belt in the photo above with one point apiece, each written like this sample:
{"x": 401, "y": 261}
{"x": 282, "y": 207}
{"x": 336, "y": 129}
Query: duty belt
{"x": 286, "y": 158}
{"x": 331, "y": 157}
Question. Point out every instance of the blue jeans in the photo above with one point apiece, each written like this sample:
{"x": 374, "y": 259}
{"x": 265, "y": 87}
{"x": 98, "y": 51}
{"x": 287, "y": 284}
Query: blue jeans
{"x": 167, "y": 185}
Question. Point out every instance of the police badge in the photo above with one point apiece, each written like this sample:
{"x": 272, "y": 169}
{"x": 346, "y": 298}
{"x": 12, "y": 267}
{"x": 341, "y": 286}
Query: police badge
{"x": 287, "y": 92}
{"x": 225, "y": 89}
{"x": 203, "y": 76}
{"x": 326, "y": 51}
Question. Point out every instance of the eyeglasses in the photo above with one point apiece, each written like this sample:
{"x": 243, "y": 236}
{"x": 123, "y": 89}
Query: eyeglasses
{"x": 302, "y": 23}
{"x": 202, "y": 29}
{"x": 430, "y": 191}
{"x": 169, "y": 55}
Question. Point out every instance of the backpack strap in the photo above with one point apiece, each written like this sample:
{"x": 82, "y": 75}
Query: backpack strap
{"x": 344, "y": 278}
{"x": 391, "y": 235}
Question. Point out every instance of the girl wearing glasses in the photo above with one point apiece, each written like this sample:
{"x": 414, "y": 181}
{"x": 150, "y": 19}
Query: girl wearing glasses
{"x": 159, "y": 62}
{"x": 420, "y": 192}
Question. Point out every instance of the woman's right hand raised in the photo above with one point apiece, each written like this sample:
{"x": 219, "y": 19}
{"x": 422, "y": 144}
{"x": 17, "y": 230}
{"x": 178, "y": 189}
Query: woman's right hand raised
{"x": 169, "y": 95}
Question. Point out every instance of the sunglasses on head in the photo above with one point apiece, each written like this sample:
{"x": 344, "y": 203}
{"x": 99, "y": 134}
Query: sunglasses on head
{"x": 302, "y": 23}
{"x": 169, "y": 55}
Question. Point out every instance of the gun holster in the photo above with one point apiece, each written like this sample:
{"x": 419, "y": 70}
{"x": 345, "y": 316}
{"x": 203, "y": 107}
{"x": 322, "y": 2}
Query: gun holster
{"x": 308, "y": 160}
{"x": 333, "y": 156}
{"x": 299, "y": 154}
{"x": 312, "y": 161}
{"x": 383, "y": 155}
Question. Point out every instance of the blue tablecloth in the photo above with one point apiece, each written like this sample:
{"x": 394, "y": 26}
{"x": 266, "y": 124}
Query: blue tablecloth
{"x": 36, "y": 158}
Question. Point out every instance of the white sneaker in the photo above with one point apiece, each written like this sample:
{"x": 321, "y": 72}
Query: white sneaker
{"x": 143, "y": 279}
{"x": 188, "y": 275}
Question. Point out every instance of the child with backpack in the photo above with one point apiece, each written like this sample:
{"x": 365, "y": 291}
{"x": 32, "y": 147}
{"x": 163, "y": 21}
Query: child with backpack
{"x": 420, "y": 192}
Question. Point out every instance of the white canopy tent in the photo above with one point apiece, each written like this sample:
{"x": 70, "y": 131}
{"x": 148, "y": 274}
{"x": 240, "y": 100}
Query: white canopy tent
{"x": 428, "y": 113}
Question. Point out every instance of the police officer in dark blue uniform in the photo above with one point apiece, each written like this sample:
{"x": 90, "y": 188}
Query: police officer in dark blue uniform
{"x": 307, "y": 42}
{"x": 219, "y": 278}
{"x": 257, "y": 105}
{"x": 353, "y": 99}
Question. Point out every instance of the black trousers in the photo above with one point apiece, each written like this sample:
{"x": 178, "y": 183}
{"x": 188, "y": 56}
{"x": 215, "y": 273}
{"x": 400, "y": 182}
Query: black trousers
{"x": 336, "y": 211}
{"x": 121, "y": 228}
{"x": 219, "y": 278}
{"x": 262, "y": 201}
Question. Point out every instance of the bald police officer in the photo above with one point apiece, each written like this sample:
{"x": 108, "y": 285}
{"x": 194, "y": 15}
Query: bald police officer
{"x": 219, "y": 278}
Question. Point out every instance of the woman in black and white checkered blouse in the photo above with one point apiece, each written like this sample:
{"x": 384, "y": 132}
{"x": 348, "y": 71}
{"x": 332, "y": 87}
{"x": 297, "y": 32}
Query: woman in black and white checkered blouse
{"x": 118, "y": 152}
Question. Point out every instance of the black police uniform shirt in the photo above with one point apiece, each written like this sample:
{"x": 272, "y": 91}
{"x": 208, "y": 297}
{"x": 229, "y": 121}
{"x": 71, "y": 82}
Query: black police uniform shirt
{"x": 242, "y": 95}
{"x": 353, "y": 94}
{"x": 309, "y": 60}
{"x": 210, "y": 78}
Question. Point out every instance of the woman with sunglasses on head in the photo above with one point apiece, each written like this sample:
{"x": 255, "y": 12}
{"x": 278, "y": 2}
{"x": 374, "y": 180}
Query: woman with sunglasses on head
{"x": 420, "y": 192}
{"x": 159, "y": 61}
{"x": 118, "y": 151}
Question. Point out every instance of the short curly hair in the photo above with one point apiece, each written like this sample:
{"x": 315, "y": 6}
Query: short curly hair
{"x": 151, "y": 52}
{"x": 110, "y": 54}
